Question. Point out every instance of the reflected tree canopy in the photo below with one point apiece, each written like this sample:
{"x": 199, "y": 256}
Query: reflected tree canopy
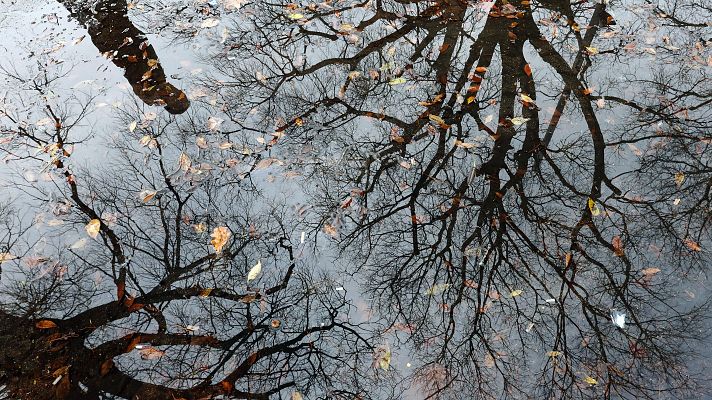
{"x": 365, "y": 200}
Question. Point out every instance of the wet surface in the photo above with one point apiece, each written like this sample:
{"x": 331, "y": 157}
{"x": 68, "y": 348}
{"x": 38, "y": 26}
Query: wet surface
{"x": 355, "y": 200}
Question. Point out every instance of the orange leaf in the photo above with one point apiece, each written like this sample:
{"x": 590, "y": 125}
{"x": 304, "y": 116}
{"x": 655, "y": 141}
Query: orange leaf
{"x": 527, "y": 70}
{"x": 45, "y": 324}
{"x": 227, "y": 387}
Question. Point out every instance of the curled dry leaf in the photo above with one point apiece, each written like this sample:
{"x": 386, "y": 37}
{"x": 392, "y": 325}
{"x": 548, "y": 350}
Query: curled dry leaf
{"x": 93, "y": 227}
{"x": 219, "y": 238}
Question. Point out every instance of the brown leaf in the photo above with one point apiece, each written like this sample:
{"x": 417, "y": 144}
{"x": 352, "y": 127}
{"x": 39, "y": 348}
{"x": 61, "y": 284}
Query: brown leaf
{"x": 692, "y": 245}
{"x": 106, "y": 367}
{"x": 45, "y": 324}
{"x": 527, "y": 70}
{"x": 617, "y": 244}
{"x": 219, "y": 237}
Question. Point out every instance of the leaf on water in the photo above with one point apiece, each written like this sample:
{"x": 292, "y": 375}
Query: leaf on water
{"x": 214, "y": 123}
{"x": 295, "y": 16}
{"x": 481, "y": 70}
{"x": 554, "y": 353}
{"x": 618, "y": 318}
{"x": 526, "y": 98}
{"x": 184, "y": 162}
{"x": 219, "y": 238}
{"x": 296, "y": 396}
{"x": 384, "y": 361}
{"x": 590, "y": 380}
{"x": 519, "y": 120}
{"x": 650, "y": 271}
{"x": 595, "y": 211}
{"x": 132, "y": 126}
{"x": 45, "y": 324}
{"x": 397, "y": 81}
{"x": 617, "y": 244}
{"x": 465, "y": 145}
{"x": 436, "y": 118}
{"x": 6, "y": 257}
{"x": 527, "y": 70}
{"x": 679, "y": 178}
{"x": 692, "y": 245}
{"x": 254, "y": 271}
{"x": 147, "y": 195}
{"x": 78, "y": 244}
{"x": 210, "y": 23}
{"x": 205, "y": 293}
{"x": 591, "y": 51}
{"x": 93, "y": 227}
{"x": 151, "y": 353}
{"x": 437, "y": 289}
{"x": 516, "y": 293}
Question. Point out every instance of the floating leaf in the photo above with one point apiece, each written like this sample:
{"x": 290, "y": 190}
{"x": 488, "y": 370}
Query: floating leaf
{"x": 617, "y": 244}
{"x": 219, "y": 238}
{"x": 210, "y": 23}
{"x": 151, "y": 353}
{"x": 79, "y": 244}
{"x": 527, "y": 70}
{"x": 436, "y": 118}
{"x": 384, "y": 361}
{"x": 397, "y": 81}
{"x": 296, "y": 396}
{"x": 679, "y": 178}
{"x": 516, "y": 293}
{"x": 6, "y": 257}
{"x": 437, "y": 288}
{"x": 214, "y": 123}
{"x": 526, "y": 98}
{"x": 590, "y": 380}
{"x": 595, "y": 211}
{"x": 618, "y": 318}
{"x": 481, "y": 70}
{"x": 650, "y": 271}
{"x": 92, "y": 228}
{"x": 519, "y": 120}
{"x": 147, "y": 195}
{"x": 184, "y": 162}
{"x": 132, "y": 126}
{"x": 591, "y": 50}
{"x": 254, "y": 271}
{"x": 205, "y": 293}
{"x": 45, "y": 324}
{"x": 554, "y": 353}
{"x": 295, "y": 16}
{"x": 692, "y": 245}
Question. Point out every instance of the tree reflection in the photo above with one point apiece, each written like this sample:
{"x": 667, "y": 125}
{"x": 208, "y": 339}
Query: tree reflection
{"x": 501, "y": 179}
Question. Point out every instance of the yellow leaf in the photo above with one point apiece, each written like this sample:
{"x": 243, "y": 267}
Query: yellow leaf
{"x": 526, "y": 98}
{"x": 145, "y": 140}
{"x": 205, "y": 292}
{"x": 595, "y": 211}
{"x": 296, "y": 396}
{"x": 516, "y": 293}
{"x": 219, "y": 238}
{"x": 436, "y": 118}
{"x": 554, "y": 353}
{"x": 679, "y": 178}
{"x": 295, "y": 16}
{"x": 92, "y": 228}
{"x": 519, "y": 120}
{"x": 590, "y": 380}
{"x": 437, "y": 288}
{"x": 254, "y": 271}
{"x": 397, "y": 81}
{"x": 6, "y": 257}
{"x": 591, "y": 50}
{"x": 385, "y": 361}
{"x": 132, "y": 126}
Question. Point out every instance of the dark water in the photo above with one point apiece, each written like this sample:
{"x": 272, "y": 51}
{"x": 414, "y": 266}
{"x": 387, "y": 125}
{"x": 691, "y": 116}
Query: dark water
{"x": 387, "y": 199}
